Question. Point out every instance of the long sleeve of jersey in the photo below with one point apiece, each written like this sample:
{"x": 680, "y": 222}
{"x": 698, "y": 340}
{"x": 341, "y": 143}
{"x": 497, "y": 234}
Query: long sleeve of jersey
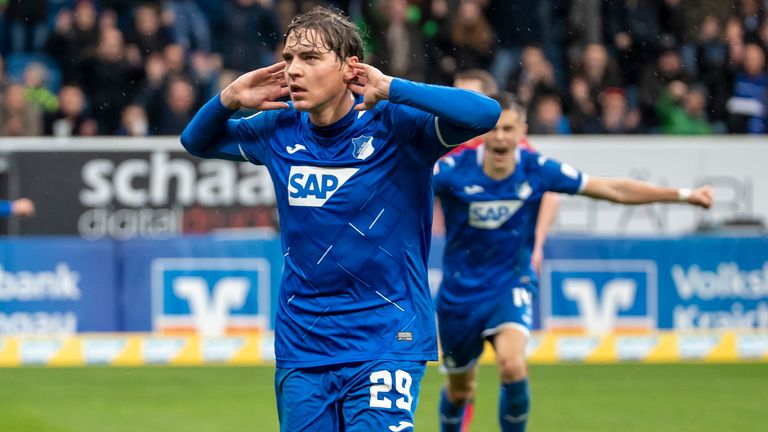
{"x": 211, "y": 133}
{"x": 6, "y": 208}
{"x": 461, "y": 114}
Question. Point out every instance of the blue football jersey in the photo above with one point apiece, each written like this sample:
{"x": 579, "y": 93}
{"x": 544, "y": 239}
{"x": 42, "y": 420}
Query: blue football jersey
{"x": 354, "y": 201}
{"x": 490, "y": 224}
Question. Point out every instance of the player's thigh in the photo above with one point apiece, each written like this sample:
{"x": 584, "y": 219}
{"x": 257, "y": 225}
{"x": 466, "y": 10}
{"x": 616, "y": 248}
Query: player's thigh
{"x": 383, "y": 397}
{"x": 303, "y": 402}
{"x": 461, "y": 338}
{"x": 509, "y": 330}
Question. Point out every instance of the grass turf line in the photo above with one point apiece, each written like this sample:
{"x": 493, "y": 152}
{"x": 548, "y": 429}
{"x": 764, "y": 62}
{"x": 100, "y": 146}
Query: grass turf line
{"x": 588, "y": 398}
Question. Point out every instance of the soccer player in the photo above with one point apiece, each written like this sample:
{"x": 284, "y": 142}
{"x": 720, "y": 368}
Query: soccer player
{"x": 351, "y": 158}
{"x": 19, "y": 207}
{"x": 491, "y": 196}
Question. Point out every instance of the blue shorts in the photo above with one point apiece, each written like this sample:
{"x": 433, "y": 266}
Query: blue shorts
{"x": 379, "y": 395}
{"x": 463, "y": 331}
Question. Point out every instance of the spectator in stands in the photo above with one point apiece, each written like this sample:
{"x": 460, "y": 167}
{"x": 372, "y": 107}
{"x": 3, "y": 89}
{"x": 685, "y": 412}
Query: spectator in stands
{"x": 616, "y": 117}
{"x": 536, "y": 76}
{"x": 635, "y": 31}
{"x": 747, "y": 107}
{"x": 74, "y": 39}
{"x": 134, "y": 122}
{"x": 548, "y": 118}
{"x": 400, "y": 52}
{"x": 478, "y": 80}
{"x": 27, "y": 25}
{"x": 252, "y": 35}
{"x": 682, "y": 110}
{"x": 70, "y": 119}
{"x": 18, "y": 117}
{"x": 151, "y": 96}
{"x": 751, "y": 14}
{"x": 599, "y": 70}
{"x": 189, "y": 26}
{"x": 439, "y": 48}
{"x": 180, "y": 107}
{"x": 175, "y": 59}
{"x": 111, "y": 79}
{"x": 516, "y": 24}
{"x": 581, "y": 106}
{"x": 473, "y": 37}
{"x": 656, "y": 77}
{"x": 35, "y": 90}
{"x": 204, "y": 72}
{"x": 147, "y": 33}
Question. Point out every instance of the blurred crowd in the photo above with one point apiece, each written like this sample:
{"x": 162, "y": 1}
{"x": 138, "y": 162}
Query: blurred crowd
{"x": 137, "y": 68}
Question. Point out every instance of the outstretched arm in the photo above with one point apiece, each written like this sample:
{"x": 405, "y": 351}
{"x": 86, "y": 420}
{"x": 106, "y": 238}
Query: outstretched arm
{"x": 461, "y": 114}
{"x": 19, "y": 207}
{"x": 630, "y": 191}
{"x": 550, "y": 205}
{"x": 211, "y": 134}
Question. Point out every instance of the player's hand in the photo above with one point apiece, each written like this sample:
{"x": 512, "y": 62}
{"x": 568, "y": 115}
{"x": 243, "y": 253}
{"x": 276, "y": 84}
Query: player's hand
{"x": 536, "y": 258}
{"x": 701, "y": 197}
{"x": 371, "y": 83}
{"x": 258, "y": 89}
{"x": 23, "y": 207}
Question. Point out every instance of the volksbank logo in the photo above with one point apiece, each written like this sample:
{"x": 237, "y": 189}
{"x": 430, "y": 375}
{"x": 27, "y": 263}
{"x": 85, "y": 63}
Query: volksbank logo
{"x": 492, "y": 214}
{"x": 210, "y": 296}
{"x": 599, "y": 296}
{"x": 310, "y": 186}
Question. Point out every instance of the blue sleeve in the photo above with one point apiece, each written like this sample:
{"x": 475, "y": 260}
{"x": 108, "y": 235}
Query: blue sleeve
{"x": 6, "y": 208}
{"x": 444, "y": 117}
{"x": 211, "y": 134}
{"x": 561, "y": 177}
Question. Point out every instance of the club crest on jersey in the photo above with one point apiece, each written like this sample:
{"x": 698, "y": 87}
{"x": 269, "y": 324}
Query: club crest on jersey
{"x": 492, "y": 214}
{"x": 310, "y": 186}
{"x": 363, "y": 147}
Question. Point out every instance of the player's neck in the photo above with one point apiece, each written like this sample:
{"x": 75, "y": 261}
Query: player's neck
{"x": 499, "y": 173}
{"x": 333, "y": 110}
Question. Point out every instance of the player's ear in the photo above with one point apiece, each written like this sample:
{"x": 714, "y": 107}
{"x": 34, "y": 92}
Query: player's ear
{"x": 349, "y": 71}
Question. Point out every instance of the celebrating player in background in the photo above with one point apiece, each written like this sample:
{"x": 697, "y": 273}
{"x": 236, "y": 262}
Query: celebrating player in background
{"x": 483, "y": 82}
{"x": 19, "y": 207}
{"x": 351, "y": 160}
{"x": 491, "y": 197}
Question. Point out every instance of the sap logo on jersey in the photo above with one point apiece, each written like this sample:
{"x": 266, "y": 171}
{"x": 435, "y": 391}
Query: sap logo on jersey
{"x": 310, "y": 186}
{"x": 210, "y": 296}
{"x": 599, "y": 296}
{"x": 491, "y": 214}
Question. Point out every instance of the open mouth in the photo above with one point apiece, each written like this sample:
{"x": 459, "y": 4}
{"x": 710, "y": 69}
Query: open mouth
{"x": 501, "y": 151}
{"x": 295, "y": 88}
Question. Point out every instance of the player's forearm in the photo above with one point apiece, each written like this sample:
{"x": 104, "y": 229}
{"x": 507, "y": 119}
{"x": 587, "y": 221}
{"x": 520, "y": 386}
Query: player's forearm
{"x": 550, "y": 205}
{"x": 471, "y": 114}
{"x": 206, "y": 128}
{"x": 630, "y": 191}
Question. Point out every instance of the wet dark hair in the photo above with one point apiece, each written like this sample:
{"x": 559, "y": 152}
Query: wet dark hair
{"x": 335, "y": 31}
{"x": 508, "y": 102}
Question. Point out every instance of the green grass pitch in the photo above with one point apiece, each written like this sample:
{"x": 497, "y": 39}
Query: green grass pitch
{"x": 589, "y": 398}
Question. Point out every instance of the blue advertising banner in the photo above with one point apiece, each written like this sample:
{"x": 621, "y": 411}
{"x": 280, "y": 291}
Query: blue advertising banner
{"x": 222, "y": 284}
{"x": 685, "y": 283}
{"x": 57, "y": 286}
{"x": 210, "y": 285}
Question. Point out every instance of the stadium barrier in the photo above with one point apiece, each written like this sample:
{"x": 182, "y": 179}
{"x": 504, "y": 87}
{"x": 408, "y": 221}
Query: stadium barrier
{"x": 122, "y": 188}
{"x": 211, "y": 298}
{"x": 544, "y": 348}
